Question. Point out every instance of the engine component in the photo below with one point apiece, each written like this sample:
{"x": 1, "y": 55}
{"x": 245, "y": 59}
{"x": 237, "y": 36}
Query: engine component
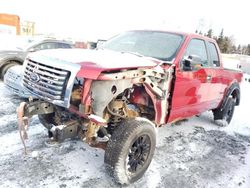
{"x": 118, "y": 109}
{"x": 76, "y": 96}
{"x": 92, "y": 137}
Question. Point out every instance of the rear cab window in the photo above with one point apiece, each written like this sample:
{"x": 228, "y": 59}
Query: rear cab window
{"x": 214, "y": 54}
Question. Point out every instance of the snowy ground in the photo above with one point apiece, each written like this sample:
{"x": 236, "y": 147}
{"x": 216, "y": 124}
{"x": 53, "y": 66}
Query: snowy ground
{"x": 194, "y": 153}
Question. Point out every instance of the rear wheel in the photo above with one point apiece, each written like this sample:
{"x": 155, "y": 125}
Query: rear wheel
{"x": 6, "y": 67}
{"x": 225, "y": 114}
{"x": 130, "y": 150}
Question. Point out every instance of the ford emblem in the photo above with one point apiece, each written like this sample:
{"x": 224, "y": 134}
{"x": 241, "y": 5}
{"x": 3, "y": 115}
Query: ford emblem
{"x": 34, "y": 77}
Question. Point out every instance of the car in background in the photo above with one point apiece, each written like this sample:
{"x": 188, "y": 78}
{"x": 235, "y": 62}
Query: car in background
{"x": 12, "y": 69}
{"x": 15, "y": 54}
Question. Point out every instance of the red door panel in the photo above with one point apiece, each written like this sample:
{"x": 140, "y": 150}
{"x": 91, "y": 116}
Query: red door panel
{"x": 190, "y": 93}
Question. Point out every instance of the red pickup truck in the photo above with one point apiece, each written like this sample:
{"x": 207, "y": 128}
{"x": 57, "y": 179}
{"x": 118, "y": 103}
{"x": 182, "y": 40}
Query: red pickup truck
{"x": 114, "y": 97}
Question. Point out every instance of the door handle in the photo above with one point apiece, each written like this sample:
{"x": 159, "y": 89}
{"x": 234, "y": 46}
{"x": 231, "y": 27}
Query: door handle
{"x": 209, "y": 77}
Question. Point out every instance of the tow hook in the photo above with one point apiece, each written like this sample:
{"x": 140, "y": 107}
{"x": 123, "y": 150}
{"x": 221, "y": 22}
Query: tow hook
{"x": 23, "y": 123}
{"x": 25, "y": 111}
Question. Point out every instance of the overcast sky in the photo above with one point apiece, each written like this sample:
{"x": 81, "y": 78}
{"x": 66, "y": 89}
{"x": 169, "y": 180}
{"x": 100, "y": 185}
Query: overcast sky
{"x": 100, "y": 19}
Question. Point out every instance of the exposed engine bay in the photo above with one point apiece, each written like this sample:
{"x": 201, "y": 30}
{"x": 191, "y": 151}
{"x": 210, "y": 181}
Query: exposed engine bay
{"x": 97, "y": 107}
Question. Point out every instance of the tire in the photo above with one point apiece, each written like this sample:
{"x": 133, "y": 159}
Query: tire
{"x": 225, "y": 114}
{"x": 6, "y": 67}
{"x": 130, "y": 150}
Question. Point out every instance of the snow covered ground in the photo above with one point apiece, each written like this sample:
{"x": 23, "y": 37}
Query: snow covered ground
{"x": 192, "y": 153}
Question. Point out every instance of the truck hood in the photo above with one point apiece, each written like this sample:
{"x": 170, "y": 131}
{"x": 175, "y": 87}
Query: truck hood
{"x": 93, "y": 62}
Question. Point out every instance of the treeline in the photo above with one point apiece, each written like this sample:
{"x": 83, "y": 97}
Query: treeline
{"x": 226, "y": 44}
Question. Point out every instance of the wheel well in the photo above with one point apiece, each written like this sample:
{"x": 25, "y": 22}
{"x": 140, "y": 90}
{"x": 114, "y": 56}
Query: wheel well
{"x": 15, "y": 61}
{"x": 8, "y": 62}
{"x": 234, "y": 92}
{"x": 132, "y": 102}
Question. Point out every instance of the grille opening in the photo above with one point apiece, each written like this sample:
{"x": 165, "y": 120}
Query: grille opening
{"x": 46, "y": 81}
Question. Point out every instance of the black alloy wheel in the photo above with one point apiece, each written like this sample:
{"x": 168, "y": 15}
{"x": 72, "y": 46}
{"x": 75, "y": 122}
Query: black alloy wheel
{"x": 229, "y": 110}
{"x": 138, "y": 153}
{"x": 130, "y": 150}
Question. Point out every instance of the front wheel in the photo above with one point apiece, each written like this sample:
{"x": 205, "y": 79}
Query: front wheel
{"x": 130, "y": 150}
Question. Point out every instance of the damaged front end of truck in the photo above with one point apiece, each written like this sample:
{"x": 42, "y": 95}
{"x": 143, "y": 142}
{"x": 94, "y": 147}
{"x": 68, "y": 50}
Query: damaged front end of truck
{"x": 72, "y": 105}
{"x": 94, "y": 109}
{"x": 110, "y": 99}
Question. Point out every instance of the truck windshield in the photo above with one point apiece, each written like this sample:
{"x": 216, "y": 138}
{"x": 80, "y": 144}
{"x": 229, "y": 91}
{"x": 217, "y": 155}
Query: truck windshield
{"x": 156, "y": 44}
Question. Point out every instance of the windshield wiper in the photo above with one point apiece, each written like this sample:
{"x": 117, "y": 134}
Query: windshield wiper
{"x": 134, "y": 53}
{"x": 148, "y": 57}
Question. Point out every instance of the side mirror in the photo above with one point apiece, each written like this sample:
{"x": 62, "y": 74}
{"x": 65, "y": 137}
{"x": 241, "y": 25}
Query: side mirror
{"x": 191, "y": 62}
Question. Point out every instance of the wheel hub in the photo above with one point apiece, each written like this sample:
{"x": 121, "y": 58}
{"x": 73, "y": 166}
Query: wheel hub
{"x": 229, "y": 113}
{"x": 138, "y": 153}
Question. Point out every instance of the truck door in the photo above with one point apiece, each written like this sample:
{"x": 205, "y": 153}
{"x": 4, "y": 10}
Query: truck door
{"x": 190, "y": 95}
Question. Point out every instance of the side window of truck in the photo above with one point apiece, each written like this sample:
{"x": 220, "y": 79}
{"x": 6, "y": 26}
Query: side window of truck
{"x": 214, "y": 54}
{"x": 196, "y": 50}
